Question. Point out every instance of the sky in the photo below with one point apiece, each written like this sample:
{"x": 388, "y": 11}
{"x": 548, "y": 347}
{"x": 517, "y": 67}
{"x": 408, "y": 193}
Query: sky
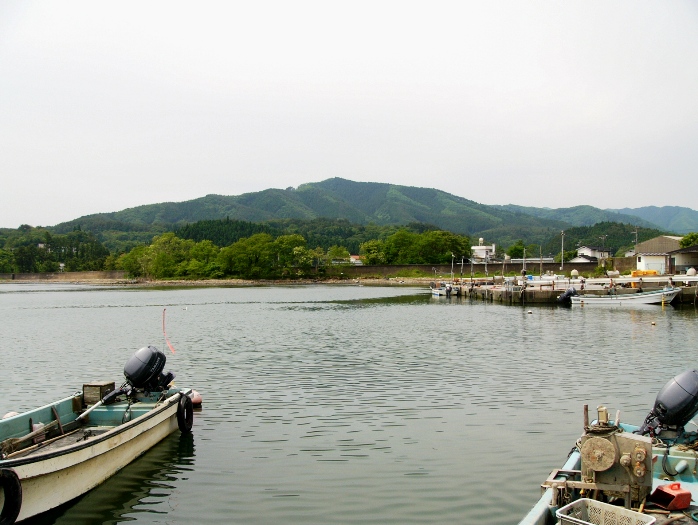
{"x": 110, "y": 105}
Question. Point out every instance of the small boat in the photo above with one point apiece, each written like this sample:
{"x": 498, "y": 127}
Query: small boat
{"x": 446, "y": 289}
{"x": 55, "y": 453}
{"x": 619, "y": 473}
{"x": 664, "y": 296}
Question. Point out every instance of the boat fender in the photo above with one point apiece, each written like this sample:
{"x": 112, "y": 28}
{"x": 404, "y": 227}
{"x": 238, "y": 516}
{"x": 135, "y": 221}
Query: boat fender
{"x": 196, "y": 399}
{"x": 12, "y": 489}
{"x": 185, "y": 414}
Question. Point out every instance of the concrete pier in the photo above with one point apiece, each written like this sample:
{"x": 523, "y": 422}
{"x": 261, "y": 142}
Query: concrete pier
{"x": 519, "y": 295}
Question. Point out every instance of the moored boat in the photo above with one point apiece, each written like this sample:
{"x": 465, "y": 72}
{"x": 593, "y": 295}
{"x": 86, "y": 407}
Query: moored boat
{"x": 53, "y": 454}
{"x": 619, "y": 473}
{"x": 664, "y": 296}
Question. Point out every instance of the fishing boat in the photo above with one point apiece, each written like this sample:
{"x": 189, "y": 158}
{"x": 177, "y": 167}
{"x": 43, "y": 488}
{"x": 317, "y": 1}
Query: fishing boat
{"x": 55, "y": 453}
{"x": 664, "y": 296}
{"x": 618, "y": 473}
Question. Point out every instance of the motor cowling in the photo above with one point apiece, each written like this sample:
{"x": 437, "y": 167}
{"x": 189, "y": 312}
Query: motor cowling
{"x": 676, "y": 403}
{"x": 144, "y": 369}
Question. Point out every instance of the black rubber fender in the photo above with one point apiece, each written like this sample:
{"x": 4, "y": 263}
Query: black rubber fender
{"x": 12, "y": 489}
{"x": 185, "y": 415}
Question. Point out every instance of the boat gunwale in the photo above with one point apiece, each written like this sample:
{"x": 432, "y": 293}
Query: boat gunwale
{"x": 39, "y": 455}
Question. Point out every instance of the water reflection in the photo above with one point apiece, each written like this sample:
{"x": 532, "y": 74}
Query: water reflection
{"x": 146, "y": 485}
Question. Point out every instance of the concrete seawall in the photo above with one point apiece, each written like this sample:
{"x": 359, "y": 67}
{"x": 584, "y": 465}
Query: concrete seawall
{"x": 115, "y": 275}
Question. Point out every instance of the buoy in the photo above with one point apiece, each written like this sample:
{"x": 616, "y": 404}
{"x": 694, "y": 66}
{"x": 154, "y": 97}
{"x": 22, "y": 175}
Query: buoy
{"x": 196, "y": 399}
{"x": 10, "y": 414}
{"x": 530, "y": 312}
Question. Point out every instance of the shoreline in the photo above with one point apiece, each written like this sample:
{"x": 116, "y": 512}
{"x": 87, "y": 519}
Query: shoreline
{"x": 392, "y": 281}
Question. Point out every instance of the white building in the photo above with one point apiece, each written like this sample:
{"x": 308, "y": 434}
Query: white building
{"x": 654, "y": 254}
{"x": 482, "y": 252}
{"x": 593, "y": 252}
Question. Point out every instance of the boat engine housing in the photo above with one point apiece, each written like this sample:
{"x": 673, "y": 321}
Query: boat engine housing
{"x": 675, "y": 405}
{"x": 144, "y": 369}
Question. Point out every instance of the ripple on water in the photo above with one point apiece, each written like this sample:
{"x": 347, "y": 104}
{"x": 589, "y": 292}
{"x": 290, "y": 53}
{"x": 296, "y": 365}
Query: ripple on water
{"x": 345, "y": 404}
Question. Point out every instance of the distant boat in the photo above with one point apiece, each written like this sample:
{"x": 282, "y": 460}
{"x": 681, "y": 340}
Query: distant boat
{"x": 444, "y": 289}
{"x": 664, "y": 296}
{"x": 55, "y": 453}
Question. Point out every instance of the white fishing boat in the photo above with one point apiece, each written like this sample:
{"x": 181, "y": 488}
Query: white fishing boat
{"x": 664, "y": 296}
{"x": 55, "y": 453}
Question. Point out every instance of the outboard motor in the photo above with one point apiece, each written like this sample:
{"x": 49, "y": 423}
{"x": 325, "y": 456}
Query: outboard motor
{"x": 144, "y": 370}
{"x": 676, "y": 404}
{"x": 565, "y": 297}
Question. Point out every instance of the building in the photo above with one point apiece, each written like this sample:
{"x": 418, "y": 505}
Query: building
{"x": 654, "y": 254}
{"x": 583, "y": 258}
{"x": 683, "y": 259}
{"x": 593, "y": 253}
{"x": 482, "y": 252}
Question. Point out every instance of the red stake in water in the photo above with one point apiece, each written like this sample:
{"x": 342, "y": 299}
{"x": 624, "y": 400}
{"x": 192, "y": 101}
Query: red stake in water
{"x": 164, "y": 333}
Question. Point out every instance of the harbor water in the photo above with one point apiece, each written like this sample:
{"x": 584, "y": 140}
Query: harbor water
{"x": 341, "y": 404}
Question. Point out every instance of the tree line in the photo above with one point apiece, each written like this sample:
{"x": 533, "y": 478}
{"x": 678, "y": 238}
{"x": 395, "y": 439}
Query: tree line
{"x": 32, "y": 250}
{"x": 275, "y": 249}
{"x": 262, "y": 256}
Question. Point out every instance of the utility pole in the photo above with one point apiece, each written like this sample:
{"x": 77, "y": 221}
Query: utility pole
{"x": 603, "y": 245}
{"x": 562, "y": 251}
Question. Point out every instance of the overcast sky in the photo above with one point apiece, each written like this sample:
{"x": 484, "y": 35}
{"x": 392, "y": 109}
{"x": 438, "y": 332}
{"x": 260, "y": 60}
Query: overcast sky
{"x": 110, "y": 105}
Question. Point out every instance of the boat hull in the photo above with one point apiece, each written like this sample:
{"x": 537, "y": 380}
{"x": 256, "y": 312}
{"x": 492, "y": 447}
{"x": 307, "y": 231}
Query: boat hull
{"x": 655, "y": 297}
{"x": 57, "y": 476}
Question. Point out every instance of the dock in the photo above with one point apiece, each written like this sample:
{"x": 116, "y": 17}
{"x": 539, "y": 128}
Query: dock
{"x": 546, "y": 291}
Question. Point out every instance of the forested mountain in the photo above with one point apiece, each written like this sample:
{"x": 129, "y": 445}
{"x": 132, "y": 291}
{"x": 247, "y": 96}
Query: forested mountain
{"x": 360, "y": 204}
{"x": 581, "y": 215}
{"x": 319, "y": 233}
{"x": 671, "y": 218}
{"x": 616, "y": 236}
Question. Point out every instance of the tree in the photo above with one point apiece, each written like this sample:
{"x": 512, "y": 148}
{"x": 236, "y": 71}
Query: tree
{"x": 134, "y": 262}
{"x": 439, "y": 247}
{"x": 284, "y": 248}
{"x": 373, "y": 252}
{"x": 249, "y": 258}
{"x": 516, "y": 250}
{"x": 338, "y": 253}
{"x": 6, "y": 261}
{"x": 401, "y": 247}
{"x": 690, "y": 239}
{"x": 166, "y": 255}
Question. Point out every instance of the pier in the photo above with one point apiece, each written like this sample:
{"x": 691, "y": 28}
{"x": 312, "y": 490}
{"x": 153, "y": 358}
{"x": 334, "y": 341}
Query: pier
{"x": 546, "y": 291}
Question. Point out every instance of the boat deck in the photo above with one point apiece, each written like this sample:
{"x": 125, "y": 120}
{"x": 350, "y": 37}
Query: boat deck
{"x": 68, "y": 439}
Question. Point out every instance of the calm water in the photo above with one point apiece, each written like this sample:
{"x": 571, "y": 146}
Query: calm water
{"x": 341, "y": 405}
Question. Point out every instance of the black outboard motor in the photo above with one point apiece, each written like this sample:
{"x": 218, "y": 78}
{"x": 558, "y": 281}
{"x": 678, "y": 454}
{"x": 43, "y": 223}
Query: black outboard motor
{"x": 144, "y": 370}
{"x": 565, "y": 297}
{"x": 676, "y": 404}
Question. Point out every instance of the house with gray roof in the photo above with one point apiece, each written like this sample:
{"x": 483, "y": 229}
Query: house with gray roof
{"x": 654, "y": 254}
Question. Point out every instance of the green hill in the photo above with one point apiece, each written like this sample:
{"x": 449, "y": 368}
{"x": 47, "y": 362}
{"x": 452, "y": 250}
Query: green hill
{"x": 361, "y": 203}
{"x": 582, "y": 215}
{"x": 672, "y": 218}
{"x": 358, "y": 202}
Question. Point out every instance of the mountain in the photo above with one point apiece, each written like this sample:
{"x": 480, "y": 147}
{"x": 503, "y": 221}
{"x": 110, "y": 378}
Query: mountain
{"x": 359, "y": 203}
{"x": 671, "y": 218}
{"x": 582, "y": 215}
